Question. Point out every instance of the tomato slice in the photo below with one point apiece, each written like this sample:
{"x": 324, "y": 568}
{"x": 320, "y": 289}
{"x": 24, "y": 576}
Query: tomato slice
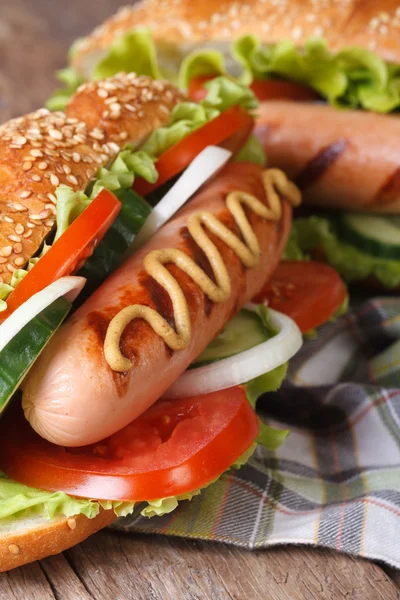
{"x": 309, "y": 292}
{"x": 264, "y": 89}
{"x": 230, "y": 130}
{"x": 176, "y": 446}
{"x": 276, "y": 89}
{"x": 70, "y": 251}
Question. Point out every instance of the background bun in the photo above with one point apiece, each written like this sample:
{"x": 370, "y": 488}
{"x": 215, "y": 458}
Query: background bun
{"x": 373, "y": 24}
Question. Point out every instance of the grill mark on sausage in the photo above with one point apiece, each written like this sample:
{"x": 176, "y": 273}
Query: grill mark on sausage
{"x": 317, "y": 166}
{"x": 162, "y": 303}
{"x": 201, "y": 259}
{"x": 389, "y": 192}
{"x": 160, "y": 298}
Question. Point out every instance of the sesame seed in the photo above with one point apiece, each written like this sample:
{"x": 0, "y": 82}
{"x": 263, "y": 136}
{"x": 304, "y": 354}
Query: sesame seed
{"x": 14, "y": 238}
{"x": 49, "y": 222}
{"x": 20, "y": 140}
{"x": 2, "y": 260}
{"x": 67, "y": 169}
{"x": 27, "y": 234}
{"x": 72, "y": 179}
{"x": 20, "y": 260}
{"x": 17, "y": 248}
{"x": 19, "y": 228}
{"x": 19, "y": 207}
{"x": 11, "y": 268}
{"x": 35, "y": 217}
{"x": 36, "y": 177}
{"x": 44, "y": 214}
{"x": 30, "y": 225}
{"x": 36, "y": 153}
{"x": 54, "y": 180}
{"x": 43, "y": 165}
{"x": 71, "y": 523}
{"x": 8, "y": 219}
{"x": 25, "y": 194}
{"x": 27, "y": 166}
{"x": 76, "y": 157}
{"x": 102, "y": 93}
{"x": 6, "y": 251}
{"x": 131, "y": 108}
{"x": 55, "y": 134}
{"x": 14, "y": 549}
{"x": 52, "y": 197}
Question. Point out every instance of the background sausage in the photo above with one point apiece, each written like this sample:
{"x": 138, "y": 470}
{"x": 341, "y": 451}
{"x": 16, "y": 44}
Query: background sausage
{"x": 73, "y": 397}
{"x": 340, "y": 159}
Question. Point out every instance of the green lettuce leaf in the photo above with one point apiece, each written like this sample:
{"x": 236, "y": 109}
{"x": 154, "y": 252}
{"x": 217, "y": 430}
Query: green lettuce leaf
{"x": 71, "y": 80}
{"x": 17, "y": 276}
{"x": 350, "y": 262}
{"x": 189, "y": 116}
{"x": 20, "y": 501}
{"x": 292, "y": 250}
{"x": 132, "y": 52}
{"x": 201, "y": 63}
{"x": 119, "y": 176}
{"x": 352, "y": 78}
{"x": 223, "y": 93}
{"x": 253, "y": 152}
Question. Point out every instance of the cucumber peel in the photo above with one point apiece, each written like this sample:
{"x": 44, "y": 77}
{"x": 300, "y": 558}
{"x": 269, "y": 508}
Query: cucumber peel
{"x": 22, "y": 351}
{"x": 374, "y": 234}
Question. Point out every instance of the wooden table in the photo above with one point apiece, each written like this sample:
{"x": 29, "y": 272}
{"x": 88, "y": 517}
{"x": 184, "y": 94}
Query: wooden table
{"x": 34, "y": 38}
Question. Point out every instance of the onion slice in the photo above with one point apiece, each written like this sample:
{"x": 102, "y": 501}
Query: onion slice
{"x": 205, "y": 165}
{"x": 69, "y": 287}
{"x": 242, "y": 367}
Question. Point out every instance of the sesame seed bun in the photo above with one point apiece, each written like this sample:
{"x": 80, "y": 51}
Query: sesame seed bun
{"x": 28, "y": 539}
{"x": 42, "y": 150}
{"x": 179, "y": 26}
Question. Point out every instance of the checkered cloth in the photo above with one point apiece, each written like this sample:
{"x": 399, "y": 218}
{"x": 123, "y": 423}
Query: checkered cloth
{"x": 335, "y": 482}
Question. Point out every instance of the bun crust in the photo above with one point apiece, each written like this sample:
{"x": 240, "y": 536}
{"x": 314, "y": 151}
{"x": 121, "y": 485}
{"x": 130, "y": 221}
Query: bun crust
{"x": 41, "y": 540}
{"x": 42, "y": 150}
{"x": 368, "y": 23}
{"x": 123, "y": 108}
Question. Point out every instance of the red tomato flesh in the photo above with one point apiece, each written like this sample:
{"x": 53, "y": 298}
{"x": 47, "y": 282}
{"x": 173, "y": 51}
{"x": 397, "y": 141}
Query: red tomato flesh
{"x": 275, "y": 89}
{"x": 309, "y": 292}
{"x": 264, "y": 89}
{"x": 230, "y": 130}
{"x": 176, "y": 446}
{"x": 70, "y": 251}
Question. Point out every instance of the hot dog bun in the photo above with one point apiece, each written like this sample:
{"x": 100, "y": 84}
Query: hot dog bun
{"x": 179, "y": 26}
{"x": 25, "y": 540}
{"x": 42, "y": 150}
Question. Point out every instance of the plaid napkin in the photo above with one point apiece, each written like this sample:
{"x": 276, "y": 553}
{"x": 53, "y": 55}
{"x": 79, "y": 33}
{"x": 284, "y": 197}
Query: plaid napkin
{"x": 335, "y": 482}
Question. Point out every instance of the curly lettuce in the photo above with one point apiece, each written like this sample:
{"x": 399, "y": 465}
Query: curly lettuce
{"x": 20, "y": 501}
{"x": 352, "y": 78}
{"x": 318, "y": 233}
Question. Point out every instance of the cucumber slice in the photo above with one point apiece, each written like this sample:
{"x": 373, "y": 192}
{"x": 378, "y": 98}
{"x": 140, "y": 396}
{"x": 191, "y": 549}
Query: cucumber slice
{"x": 245, "y": 331}
{"x": 22, "y": 351}
{"x": 112, "y": 249}
{"x": 375, "y": 235}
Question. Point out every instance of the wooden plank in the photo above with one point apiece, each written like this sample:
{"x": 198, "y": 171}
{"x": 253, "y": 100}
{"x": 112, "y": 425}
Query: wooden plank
{"x": 157, "y": 567}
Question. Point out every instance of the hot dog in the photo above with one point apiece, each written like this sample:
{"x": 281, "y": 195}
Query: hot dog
{"x": 72, "y": 397}
{"x": 339, "y": 159}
